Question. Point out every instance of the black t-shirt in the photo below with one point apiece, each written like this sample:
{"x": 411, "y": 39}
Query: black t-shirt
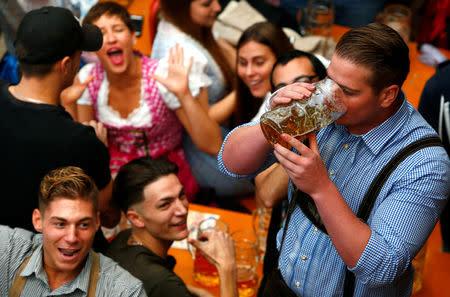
{"x": 35, "y": 139}
{"x": 155, "y": 272}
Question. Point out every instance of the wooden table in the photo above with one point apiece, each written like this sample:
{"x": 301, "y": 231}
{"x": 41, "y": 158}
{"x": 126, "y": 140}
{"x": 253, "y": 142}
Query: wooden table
{"x": 185, "y": 263}
{"x": 419, "y": 72}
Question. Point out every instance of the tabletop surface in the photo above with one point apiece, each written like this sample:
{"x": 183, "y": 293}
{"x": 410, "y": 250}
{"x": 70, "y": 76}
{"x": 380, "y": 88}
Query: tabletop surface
{"x": 185, "y": 264}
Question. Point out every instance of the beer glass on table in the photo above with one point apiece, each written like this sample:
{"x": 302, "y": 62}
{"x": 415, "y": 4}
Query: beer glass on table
{"x": 246, "y": 249}
{"x": 204, "y": 272}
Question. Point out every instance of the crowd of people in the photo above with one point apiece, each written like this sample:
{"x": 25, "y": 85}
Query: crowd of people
{"x": 138, "y": 138}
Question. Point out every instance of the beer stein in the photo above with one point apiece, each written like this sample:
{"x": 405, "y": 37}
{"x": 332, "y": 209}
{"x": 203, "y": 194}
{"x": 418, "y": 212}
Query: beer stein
{"x": 204, "y": 272}
{"x": 261, "y": 221}
{"x": 246, "y": 249}
{"x": 299, "y": 118}
{"x": 316, "y": 18}
{"x": 398, "y": 17}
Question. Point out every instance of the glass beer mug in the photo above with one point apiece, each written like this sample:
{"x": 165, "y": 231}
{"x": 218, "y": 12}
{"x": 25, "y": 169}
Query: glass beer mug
{"x": 204, "y": 272}
{"x": 299, "y": 118}
{"x": 246, "y": 249}
{"x": 261, "y": 221}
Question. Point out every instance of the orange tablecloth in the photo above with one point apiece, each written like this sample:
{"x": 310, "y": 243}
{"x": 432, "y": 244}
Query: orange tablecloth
{"x": 185, "y": 263}
{"x": 419, "y": 72}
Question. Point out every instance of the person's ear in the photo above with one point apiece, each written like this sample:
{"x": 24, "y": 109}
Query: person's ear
{"x": 65, "y": 64}
{"x": 135, "y": 218}
{"x": 388, "y": 95}
{"x": 37, "y": 220}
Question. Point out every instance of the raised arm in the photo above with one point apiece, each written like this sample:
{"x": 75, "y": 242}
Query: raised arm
{"x": 193, "y": 115}
{"x": 71, "y": 94}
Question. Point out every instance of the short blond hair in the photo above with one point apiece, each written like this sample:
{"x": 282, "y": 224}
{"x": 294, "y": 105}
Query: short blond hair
{"x": 67, "y": 182}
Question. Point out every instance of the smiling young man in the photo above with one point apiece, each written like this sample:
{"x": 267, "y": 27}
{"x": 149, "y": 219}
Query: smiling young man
{"x": 60, "y": 260}
{"x": 333, "y": 244}
{"x": 153, "y": 199}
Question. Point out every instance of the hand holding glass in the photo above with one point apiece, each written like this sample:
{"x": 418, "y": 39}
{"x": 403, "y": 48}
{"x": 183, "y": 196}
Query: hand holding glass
{"x": 206, "y": 273}
{"x": 300, "y": 118}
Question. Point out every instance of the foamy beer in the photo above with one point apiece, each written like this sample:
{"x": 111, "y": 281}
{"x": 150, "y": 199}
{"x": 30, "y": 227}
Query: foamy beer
{"x": 204, "y": 272}
{"x": 299, "y": 118}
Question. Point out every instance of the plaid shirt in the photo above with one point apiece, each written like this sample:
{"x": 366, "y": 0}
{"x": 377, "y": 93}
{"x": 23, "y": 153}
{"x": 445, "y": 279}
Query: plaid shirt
{"x": 18, "y": 244}
{"x": 402, "y": 218}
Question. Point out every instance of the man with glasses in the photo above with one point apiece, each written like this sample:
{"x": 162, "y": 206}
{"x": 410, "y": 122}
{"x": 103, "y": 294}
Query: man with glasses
{"x": 296, "y": 66}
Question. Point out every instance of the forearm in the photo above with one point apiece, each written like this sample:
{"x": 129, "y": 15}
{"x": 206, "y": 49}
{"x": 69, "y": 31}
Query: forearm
{"x": 271, "y": 185}
{"x": 347, "y": 232}
{"x": 228, "y": 280}
{"x": 205, "y": 132}
{"x": 245, "y": 150}
{"x": 222, "y": 110}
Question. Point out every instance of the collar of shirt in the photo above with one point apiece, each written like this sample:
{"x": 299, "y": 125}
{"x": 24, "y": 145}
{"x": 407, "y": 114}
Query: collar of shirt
{"x": 35, "y": 266}
{"x": 376, "y": 138}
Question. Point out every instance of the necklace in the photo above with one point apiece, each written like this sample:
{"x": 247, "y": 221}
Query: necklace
{"x": 27, "y": 98}
{"x": 133, "y": 241}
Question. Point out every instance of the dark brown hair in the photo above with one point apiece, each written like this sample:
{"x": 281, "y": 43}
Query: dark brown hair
{"x": 272, "y": 36}
{"x": 68, "y": 182}
{"x": 178, "y": 13}
{"x": 110, "y": 9}
{"x": 133, "y": 177}
{"x": 379, "y": 48}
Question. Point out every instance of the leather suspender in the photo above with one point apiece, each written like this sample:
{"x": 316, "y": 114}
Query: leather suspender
{"x": 19, "y": 281}
{"x": 375, "y": 188}
{"x": 370, "y": 197}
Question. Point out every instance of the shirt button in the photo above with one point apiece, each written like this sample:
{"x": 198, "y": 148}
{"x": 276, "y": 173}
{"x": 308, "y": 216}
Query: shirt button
{"x": 331, "y": 172}
{"x": 303, "y": 258}
{"x": 316, "y": 229}
{"x": 297, "y": 284}
{"x": 346, "y": 146}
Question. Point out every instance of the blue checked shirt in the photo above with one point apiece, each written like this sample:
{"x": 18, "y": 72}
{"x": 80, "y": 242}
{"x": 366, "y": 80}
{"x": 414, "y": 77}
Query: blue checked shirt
{"x": 18, "y": 244}
{"x": 402, "y": 218}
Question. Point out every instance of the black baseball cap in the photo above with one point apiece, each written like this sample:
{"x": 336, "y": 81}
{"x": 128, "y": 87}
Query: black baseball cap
{"x": 48, "y": 34}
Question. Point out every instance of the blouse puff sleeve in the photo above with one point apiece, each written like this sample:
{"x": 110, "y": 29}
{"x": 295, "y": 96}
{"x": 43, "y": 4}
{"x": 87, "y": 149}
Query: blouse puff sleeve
{"x": 197, "y": 76}
{"x": 83, "y": 74}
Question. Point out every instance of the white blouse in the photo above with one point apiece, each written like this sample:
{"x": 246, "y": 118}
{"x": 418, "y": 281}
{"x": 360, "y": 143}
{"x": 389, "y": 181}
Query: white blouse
{"x": 140, "y": 116}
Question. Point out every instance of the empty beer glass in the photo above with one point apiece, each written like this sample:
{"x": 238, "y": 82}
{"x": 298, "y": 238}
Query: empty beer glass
{"x": 204, "y": 272}
{"x": 299, "y": 118}
{"x": 246, "y": 249}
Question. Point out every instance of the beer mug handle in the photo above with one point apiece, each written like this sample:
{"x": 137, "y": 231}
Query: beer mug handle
{"x": 193, "y": 233}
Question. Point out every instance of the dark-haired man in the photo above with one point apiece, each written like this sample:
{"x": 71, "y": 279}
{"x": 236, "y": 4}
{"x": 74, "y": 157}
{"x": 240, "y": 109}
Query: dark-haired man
{"x": 38, "y": 134}
{"x": 328, "y": 233}
{"x": 149, "y": 192}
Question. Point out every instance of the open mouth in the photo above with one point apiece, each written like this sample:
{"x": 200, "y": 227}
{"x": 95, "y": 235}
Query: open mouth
{"x": 69, "y": 254}
{"x": 181, "y": 224}
{"x": 115, "y": 55}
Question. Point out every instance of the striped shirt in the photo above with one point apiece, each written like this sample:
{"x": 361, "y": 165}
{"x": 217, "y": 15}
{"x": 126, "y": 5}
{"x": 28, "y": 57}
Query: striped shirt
{"x": 18, "y": 244}
{"x": 402, "y": 218}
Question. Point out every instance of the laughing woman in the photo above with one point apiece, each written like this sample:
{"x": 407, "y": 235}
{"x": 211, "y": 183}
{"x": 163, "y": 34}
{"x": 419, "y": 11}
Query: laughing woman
{"x": 189, "y": 23}
{"x": 142, "y": 116}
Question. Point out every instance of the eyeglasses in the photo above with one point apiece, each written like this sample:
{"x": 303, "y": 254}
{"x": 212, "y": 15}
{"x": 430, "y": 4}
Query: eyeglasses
{"x": 304, "y": 78}
{"x": 301, "y": 78}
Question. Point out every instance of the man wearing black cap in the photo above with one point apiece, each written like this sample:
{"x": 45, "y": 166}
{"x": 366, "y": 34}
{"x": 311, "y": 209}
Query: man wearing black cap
{"x": 38, "y": 134}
